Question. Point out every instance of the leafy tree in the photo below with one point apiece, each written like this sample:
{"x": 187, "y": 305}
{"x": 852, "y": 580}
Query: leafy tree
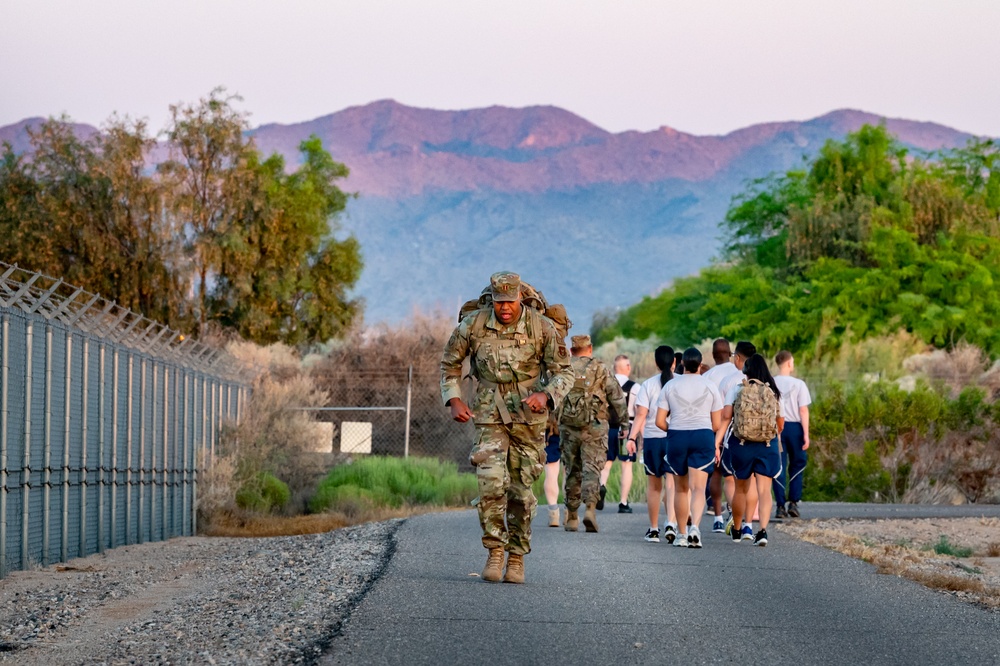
{"x": 282, "y": 274}
{"x": 210, "y": 174}
{"x": 255, "y": 240}
{"x": 865, "y": 242}
{"x": 85, "y": 210}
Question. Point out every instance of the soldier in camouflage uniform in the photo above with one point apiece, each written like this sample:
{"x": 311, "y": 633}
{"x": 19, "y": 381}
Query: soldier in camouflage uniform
{"x": 583, "y": 431}
{"x": 514, "y": 352}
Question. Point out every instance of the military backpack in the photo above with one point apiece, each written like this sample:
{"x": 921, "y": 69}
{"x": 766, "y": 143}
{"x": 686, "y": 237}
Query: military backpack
{"x": 755, "y": 412}
{"x": 581, "y": 407}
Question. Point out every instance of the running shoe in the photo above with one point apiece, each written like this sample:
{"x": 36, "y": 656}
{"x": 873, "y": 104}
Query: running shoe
{"x": 694, "y": 537}
{"x": 780, "y": 512}
{"x": 746, "y": 534}
{"x": 624, "y": 508}
{"x": 600, "y": 502}
{"x": 729, "y": 527}
{"x": 682, "y": 541}
{"x": 735, "y": 534}
{"x": 652, "y": 535}
{"x": 761, "y": 538}
{"x": 793, "y": 509}
{"x": 718, "y": 526}
{"x": 669, "y": 532}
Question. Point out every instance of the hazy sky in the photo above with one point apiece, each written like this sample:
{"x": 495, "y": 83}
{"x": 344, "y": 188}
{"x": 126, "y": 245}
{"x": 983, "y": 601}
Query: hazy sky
{"x": 701, "y": 66}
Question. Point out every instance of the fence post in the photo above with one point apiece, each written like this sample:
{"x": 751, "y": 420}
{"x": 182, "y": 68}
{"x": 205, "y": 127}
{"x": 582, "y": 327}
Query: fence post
{"x": 185, "y": 480}
{"x": 114, "y": 448}
{"x": 163, "y": 459}
{"x": 47, "y": 469}
{"x": 26, "y": 462}
{"x": 142, "y": 450}
{"x": 175, "y": 472}
{"x": 67, "y": 405}
{"x": 102, "y": 423}
{"x": 409, "y": 396}
{"x": 152, "y": 454}
{"x": 83, "y": 454}
{"x": 4, "y": 416}
{"x": 129, "y": 442}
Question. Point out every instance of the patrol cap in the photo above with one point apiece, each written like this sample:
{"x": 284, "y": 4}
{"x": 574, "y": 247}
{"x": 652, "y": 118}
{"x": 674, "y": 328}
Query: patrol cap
{"x": 505, "y": 286}
{"x": 581, "y": 341}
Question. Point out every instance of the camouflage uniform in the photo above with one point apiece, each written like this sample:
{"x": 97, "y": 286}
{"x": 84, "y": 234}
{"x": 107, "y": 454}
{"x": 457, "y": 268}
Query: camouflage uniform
{"x": 511, "y": 362}
{"x": 583, "y": 428}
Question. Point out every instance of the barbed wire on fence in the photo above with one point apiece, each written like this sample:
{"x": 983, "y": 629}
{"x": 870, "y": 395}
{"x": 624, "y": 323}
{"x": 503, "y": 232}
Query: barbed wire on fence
{"x": 54, "y": 299}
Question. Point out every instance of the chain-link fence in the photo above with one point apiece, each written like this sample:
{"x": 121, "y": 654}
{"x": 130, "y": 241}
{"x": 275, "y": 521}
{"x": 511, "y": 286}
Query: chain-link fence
{"x": 106, "y": 419}
{"x": 394, "y": 411}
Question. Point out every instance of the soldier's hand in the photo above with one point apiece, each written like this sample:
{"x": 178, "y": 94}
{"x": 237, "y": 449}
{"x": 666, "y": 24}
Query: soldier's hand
{"x": 459, "y": 410}
{"x": 537, "y": 402}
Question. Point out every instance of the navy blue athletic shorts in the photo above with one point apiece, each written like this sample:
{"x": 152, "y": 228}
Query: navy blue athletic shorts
{"x": 726, "y": 459}
{"x": 762, "y": 458}
{"x": 688, "y": 449}
{"x": 613, "y": 447}
{"x": 552, "y": 449}
{"x": 654, "y": 449}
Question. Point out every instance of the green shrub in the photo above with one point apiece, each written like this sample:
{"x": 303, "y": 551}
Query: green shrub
{"x": 263, "y": 493}
{"x": 945, "y": 547}
{"x": 386, "y": 482}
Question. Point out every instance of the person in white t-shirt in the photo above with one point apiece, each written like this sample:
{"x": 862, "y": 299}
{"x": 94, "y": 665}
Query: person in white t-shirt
{"x": 744, "y": 350}
{"x": 694, "y": 407}
{"x": 754, "y": 463}
{"x": 623, "y": 368}
{"x": 795, "y": 401}
{"x": 654, "y": 448}
{"x": 721, "y": 354}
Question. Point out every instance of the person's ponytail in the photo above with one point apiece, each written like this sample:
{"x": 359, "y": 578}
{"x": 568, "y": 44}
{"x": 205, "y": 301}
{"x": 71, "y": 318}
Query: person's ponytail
{"x": 664, "y": 357}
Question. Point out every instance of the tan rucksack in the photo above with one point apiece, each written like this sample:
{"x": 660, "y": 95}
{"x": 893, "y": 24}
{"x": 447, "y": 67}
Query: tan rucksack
{"x": 755, "y": 412}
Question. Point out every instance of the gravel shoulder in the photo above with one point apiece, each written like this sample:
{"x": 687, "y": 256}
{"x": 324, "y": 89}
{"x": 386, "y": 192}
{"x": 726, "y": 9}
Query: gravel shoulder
{"x": 958, "y": 556}
{"x": 283, "y": 600}
{"x": 195, "y": 600}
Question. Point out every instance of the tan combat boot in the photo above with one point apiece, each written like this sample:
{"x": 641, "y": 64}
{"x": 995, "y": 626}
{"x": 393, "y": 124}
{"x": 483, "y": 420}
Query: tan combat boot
{"x": 515, "y": 569}
{"x": 553, "y": 517}
{"x": 572, "y": 523}
{"x": 494, "y": 566}
{"x": 590, "y": 519}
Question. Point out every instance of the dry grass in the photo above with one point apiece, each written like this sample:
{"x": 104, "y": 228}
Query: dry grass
{"x": 245, "y": 524}
{"x": 909, "y": 560}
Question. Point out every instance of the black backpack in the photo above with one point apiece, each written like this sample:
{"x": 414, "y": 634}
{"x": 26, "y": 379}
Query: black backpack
{"x": 627, "y": 390}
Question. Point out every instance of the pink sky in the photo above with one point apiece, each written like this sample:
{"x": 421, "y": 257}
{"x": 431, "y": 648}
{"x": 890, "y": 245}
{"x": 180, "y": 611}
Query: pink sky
{"x": 703, "y": 67}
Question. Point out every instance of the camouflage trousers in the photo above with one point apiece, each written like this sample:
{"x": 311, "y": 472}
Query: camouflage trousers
{"x": 508, "y": 459}
{"x": 583, "y": 452}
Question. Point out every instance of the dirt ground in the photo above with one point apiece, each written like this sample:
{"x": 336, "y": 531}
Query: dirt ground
{"x": 959, "y": 556}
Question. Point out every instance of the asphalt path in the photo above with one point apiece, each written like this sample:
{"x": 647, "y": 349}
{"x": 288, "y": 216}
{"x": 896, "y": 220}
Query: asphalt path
{"x": 612, "y": 597}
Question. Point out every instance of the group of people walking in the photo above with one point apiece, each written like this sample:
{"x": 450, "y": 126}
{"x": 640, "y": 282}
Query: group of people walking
{"x": 703, "y": 433}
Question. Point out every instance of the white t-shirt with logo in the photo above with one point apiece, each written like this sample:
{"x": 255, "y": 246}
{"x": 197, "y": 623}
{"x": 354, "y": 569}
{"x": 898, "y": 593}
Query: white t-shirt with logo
{"x": 794, "y": 394}
{"x": 690, "y": 399}
{"x": 649, "y": 392}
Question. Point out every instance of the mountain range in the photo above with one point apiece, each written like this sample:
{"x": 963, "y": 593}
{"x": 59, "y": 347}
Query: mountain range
{"x": 595, "y": 219}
